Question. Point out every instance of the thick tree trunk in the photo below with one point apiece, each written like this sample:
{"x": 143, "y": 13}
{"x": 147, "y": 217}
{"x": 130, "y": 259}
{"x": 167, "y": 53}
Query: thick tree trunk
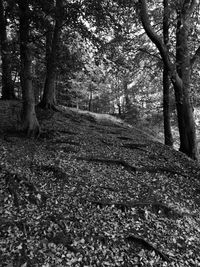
{"x": 166, "y": 80}
{"x": 185, "y": 121}
{"x": 30, "y": 122}
{"x": 7, "y": 83}
{"x": 182, "y": 90}
{"x": 49, "y": 97}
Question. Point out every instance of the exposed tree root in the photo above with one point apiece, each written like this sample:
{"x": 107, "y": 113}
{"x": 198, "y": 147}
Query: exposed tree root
{"x": 33, "y": 132}
{"x": 147, "y": 245}
{"x": 136, "y": 146}
{"x": 158, "y": 169}
{"x": 14, "y": 185}
{"x": 21, "y": 224}
{"x": 48, "y": 135}
{"x": 57, "y": 172}
{"x": 48, "y": 106}
{"x": 130, "y": 168}
{"x": 66, "y": 141}
{"x": 67, "y": 132}
{"x": 124, "y": 206}
{"x": 108, "y": 188}
{"x": 106, "y": 142}
{"x": 124, "y": 138}
{"x": 118, "y": 162}
{"x": 61, "y": 237}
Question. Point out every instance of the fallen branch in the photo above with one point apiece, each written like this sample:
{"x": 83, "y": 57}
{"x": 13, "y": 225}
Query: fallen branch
{"x": 147, "y": 245}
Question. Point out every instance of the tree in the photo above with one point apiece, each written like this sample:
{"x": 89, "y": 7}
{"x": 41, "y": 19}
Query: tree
{"x": 179, "y": 71}
{"x": 52, "y": 43}
{"x": 7, "y": 83}
{"x": 30, "y": 122}
{"x": 166, "y": 80}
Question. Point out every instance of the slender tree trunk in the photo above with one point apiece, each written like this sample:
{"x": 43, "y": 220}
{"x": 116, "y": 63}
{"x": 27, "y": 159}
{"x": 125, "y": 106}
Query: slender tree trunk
{"x": 30, "y": 122}
{"x": 90, "y": 100}
{"x": 77, "y": 103}
{"x": 126, "y": 94}
{"x": 49, "y": 97}
{"x": 119, "y": 109}
{"x": 166, "y": 108}
{"x": 7, "y": 83}
{"x": 166, "y": 80}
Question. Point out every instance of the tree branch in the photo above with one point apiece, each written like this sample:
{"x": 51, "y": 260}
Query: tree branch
{"x": 155, "y": 38}
{"x": 190, "y": 7}
{"x": 195, "y": 57}
{"x": 149, "y": 53}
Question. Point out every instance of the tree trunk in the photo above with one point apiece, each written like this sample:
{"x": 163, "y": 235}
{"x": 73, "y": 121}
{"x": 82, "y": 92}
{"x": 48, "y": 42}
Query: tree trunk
{"x": 119, "y": 109}
{"x": 166, "y": 108}
{"x": 7, "y": 83}
{"x": 182, "y": 90}
{"x": 179, "y": 72}
{"x": 166, "y": 80}
{"x": 30, "y": 122}
{"x": 49, "y": 97}
{"x": 127, "y": 107}
{"x": 90, "y": 99}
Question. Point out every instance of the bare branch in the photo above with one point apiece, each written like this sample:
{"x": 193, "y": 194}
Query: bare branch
{"x": 195, "y": 57}
{"x": 149, "y": 53}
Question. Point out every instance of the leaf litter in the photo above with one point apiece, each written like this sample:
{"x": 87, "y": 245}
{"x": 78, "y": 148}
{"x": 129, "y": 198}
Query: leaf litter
{"x": 93, "y": 192}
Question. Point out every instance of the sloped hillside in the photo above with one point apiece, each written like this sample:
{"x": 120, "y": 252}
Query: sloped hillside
{"x": 92, "y": 191}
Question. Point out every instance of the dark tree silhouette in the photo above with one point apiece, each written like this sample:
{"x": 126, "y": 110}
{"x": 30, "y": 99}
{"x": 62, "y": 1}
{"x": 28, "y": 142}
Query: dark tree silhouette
{"x": 30, "y": 122}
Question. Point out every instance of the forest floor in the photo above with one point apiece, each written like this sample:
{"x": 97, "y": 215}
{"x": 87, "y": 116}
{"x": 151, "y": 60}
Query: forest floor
{"x": 93, "y": 191}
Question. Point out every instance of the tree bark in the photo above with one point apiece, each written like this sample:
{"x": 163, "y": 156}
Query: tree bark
{"x": 182, "y": 89}
{"x": 49, "y": 97}
{"x": 179, "y": 73}
{"x": 166, "y": 109}
{"x": 7, "y": 83}
{"x": 30, "y": 122}
{"x": 166, "y": 80}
